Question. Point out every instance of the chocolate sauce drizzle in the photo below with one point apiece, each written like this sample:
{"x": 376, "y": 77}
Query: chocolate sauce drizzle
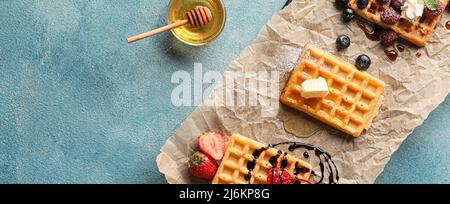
{"x": 325, "y": 162}
{"x": 251, "y": 164}
{"x": 306, "y": 155}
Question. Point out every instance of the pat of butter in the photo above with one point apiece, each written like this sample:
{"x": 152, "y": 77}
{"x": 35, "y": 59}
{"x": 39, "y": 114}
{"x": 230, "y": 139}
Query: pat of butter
{"x": 314, "y": 88}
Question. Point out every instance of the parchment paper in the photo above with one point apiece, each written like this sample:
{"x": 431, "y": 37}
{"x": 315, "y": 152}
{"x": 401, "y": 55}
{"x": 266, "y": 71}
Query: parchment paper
{"x": 414, "y": 87}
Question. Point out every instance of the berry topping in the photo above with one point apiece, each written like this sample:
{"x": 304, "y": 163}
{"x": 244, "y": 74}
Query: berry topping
{"x": 433, "y": 11}
{"x": 397, "y": 4}
{"x": 202, "y": 166}
{"x": 341, "y": 3}
{"x": 342, "y": 42}
{"x": 383, "y": 1}
{"x": 390, "y": 16}
{"x": 362, "y": 4}
{"x": 363, "y": 62}
{"x": 212, "y": 144}
{"x": 348, "y": 15}
{"x": 278, "y": 175}
{"x": 388, "y": 37}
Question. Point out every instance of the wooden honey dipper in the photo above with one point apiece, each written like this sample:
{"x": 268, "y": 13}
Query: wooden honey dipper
{"x": 198, "y": 17}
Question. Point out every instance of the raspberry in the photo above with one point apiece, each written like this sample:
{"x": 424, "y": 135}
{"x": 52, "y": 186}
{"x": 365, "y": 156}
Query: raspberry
{"x": 278, "y": 175}
{"x": 388, "y": 37}
{"x": 397, "y": 4}
{"x": 434, "y": 13}
{"x": 390, "y": 16}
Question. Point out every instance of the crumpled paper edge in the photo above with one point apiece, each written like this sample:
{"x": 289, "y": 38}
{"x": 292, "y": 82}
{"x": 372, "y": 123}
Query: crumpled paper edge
{"x": 164, "y": 161}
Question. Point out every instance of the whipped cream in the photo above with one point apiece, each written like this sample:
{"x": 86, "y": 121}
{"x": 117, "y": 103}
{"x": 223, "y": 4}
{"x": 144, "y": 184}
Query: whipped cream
{"x": 413, "y": 9}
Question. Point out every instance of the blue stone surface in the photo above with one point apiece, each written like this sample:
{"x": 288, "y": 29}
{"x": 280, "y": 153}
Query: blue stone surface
{"x": 80, "y": 105}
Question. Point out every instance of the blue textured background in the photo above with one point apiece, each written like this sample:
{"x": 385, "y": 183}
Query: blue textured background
{"x": 80, "y": 105}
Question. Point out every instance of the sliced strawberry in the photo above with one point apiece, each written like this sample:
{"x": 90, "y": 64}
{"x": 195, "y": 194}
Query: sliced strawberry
{"x": 278, "y": 175}
{"x": 212, "y": 144}
{"x": 202, "y": 166}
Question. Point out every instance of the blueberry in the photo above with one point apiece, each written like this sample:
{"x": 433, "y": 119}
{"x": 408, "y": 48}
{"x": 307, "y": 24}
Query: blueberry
{"x": 342, "y": 42}
{"x": 383, "y": 1}
{"x": 363, "y": 62}
{"x": 348, "y": 15}
{"x": 341, "y": 3}
{"x": 362, "y": 4}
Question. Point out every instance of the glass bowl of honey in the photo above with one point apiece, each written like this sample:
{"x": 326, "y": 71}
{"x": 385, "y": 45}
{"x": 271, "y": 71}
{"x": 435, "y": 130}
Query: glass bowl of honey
{"x": 197, "y": 36}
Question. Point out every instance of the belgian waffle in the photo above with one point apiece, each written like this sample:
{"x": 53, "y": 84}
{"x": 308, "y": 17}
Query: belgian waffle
{"x": 415, "y": 31}
{"x": 354, "y": 97}
{"x": 234, "y": 168}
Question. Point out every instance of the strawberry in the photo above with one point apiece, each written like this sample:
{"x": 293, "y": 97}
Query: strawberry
{"x": 202, "y": 166}
{"x": 212, "y": 144}
{"x": 278, "y": 175}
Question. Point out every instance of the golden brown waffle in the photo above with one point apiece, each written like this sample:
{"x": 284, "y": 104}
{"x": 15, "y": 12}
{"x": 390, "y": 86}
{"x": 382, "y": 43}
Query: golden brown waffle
{"x": 240, "y": 152}
{"x": 354, "y": 97}
{"x": 415, "y": 31}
